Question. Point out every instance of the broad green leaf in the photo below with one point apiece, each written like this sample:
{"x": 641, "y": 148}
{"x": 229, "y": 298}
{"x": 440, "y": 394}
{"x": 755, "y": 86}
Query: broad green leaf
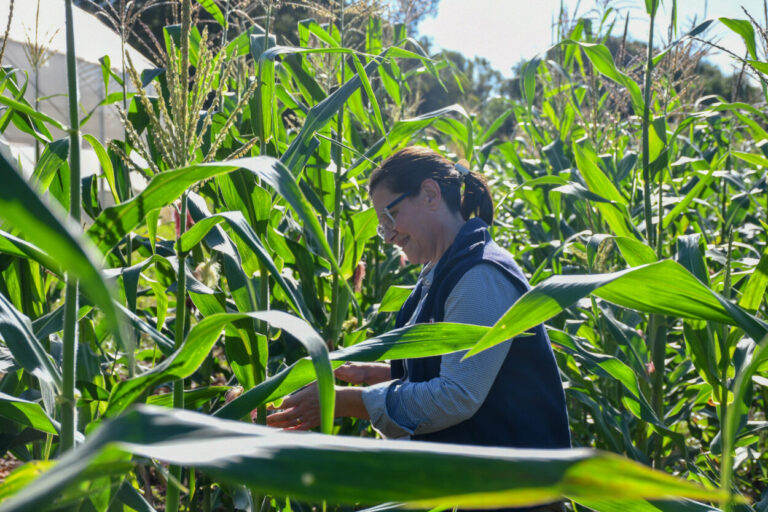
{"x": 648, "y": 506}
{"x": 422, "y": 340}
{"x": 115, "y": 222}
{"x": 400, "y": 134}
{"x": 394, "y": 298}
{"x": 615, "y": 214}
{"x": 528, "y": 81}
{"x": 239, "y": 225}
{"x": 369, "y": 92}
{"x": 651, "y": 6}
{"x": 760, "y": 66}
{"x": 636, "y": 402}
{"x": 744, "y": 29}
{"x": 213, "y": 9}
{"x": 53, "y": 157}
{"x": 757, "y": 160}
{"x": 307, "y": 466}
{"x": 704, "y": 181}
{"x": 601, "y": 58}
{"x": 16, "y": 331}
{"x": 665, "y": 288}
{"x": 28, "y": 110}
{"x": 198, "y": 344}
{"x": 753, "y": 294}
{"x": 635, "y": 252}
{"x": 15, "y": 246}
{"x": 27, "y": 413}
{"x": 690, "y": 254}
{"x": 105, "y": 162}
{"x": 48, "y": 228}
{"x": 320, "y": 114}
{"x": 193, "y": 398}
{"x": 311, "y": 26}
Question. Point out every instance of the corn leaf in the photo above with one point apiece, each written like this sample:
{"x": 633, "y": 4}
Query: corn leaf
{"x": 307, "y": 466}
{"x": 664, "y": 287}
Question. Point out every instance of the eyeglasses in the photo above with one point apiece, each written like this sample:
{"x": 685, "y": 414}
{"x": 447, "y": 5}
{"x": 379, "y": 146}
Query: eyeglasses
{"x": 387, "y": 221}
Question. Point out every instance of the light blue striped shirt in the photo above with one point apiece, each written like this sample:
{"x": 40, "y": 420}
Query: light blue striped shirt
{"x": 400, "y": 409}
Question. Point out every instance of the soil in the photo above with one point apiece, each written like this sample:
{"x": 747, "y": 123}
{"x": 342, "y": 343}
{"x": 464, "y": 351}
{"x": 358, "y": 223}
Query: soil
{"x": 7, "y": 464}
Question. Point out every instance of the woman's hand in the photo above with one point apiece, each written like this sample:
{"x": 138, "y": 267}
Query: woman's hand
{"x": 301, "y": 410}
{"x": 363, "y": 373}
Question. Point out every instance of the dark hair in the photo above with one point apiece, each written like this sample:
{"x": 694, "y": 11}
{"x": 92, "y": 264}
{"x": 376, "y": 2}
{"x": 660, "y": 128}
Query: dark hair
{"x": 405, "y": 170}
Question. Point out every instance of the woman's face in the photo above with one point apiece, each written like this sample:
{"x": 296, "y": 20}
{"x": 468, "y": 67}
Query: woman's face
{"x": 412, "y": 218}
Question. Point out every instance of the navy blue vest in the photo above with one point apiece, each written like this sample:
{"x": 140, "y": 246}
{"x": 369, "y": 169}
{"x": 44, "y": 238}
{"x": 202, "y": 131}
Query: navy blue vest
{"x": 525, "y": 407}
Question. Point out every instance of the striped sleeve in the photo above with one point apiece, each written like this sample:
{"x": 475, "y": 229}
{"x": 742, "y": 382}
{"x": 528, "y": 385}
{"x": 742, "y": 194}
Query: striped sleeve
{"x": 397, "y": 408}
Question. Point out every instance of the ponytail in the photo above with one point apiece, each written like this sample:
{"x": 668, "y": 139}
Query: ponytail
{"x": 476, "y": 199}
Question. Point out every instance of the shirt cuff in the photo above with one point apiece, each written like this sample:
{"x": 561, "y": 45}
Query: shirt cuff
{"x": 375, "y": 401}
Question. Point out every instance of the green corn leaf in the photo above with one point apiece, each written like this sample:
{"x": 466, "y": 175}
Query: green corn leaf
{"x": 754, "y": 292}
{"x": 27, "y": 413}
{"x": 15, "y": 246}
{"x": 213, "y": 9}
{"x": 311, "y": 26}
{"x": 54, "y": 156}
{"x": 193, "y": 398}
{"x": 115, "y": 222}
{"x": 369, "y": 92}
{"x": 690, "y": 254}
{"x": 635, "y": 402}
{"x": 614, "y": 213}
{"x": 494, "y": 127}
{"x": 422, "y": 340}
{"x": 105, "y": 162}
{"x": 601, "y": 58}
{"x": 760, "y": 66}
{"x": 28, "y": 110}
{"x": 696, "y": 190}
{"x": 198, "y": 344}
{"x": 239, "y": 225}
{"x": 399, "y": 135}
{"x": 528, "y": 81}
{"x": 745, "y": 30}
{"x": 16, "y": 331}
{"x": 665, "y": 288}
{"x": 756, "y": 160}
{"x": 394, "y": 298}
{"x": 48, "y": 228}
{"x": 647, "y": 506}
{"x": 635, "y": 252}
{"x": 320, "y": 114}
{"x": 306, "y": 466}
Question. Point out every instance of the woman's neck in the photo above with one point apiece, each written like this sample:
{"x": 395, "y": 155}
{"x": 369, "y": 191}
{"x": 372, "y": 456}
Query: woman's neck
{"x": 446, "y": 234}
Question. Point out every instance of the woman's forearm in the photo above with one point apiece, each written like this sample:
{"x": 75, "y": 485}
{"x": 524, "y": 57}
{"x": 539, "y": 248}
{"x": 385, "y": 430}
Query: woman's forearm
{"x": 378, "y": 373}
{"x": 349, "y": 403}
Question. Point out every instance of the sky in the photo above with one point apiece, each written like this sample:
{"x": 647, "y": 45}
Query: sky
{"x": 508, "y": 31}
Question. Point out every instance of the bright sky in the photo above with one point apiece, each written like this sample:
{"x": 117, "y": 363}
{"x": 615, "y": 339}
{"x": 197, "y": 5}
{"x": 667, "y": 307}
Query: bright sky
{"x": 508, "y": 31}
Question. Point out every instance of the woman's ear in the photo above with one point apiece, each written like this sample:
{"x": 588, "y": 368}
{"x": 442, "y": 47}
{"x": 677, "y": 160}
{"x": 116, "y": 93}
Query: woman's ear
{"x": 432, "y": 193}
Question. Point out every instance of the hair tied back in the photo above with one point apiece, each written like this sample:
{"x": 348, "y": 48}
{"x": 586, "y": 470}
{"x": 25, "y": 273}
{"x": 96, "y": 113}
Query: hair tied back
{"x": 463, "y": 167}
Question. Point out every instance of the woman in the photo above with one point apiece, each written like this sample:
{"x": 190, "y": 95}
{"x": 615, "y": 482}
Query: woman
{"x": 508, "y": 395}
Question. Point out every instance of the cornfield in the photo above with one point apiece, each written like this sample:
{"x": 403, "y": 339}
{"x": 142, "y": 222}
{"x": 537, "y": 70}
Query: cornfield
{"x": 137, "y": 335}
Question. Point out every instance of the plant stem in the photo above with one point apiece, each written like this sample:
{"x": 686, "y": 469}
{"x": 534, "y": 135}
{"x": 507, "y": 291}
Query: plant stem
{"x": 69, "y": 356}
{"x": 646, "y": 122}
{"x": 172, "y": 493}
{"x": 339, "y": 157}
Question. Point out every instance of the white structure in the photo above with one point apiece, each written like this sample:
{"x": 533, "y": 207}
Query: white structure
{"x": 93, "y": 40}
